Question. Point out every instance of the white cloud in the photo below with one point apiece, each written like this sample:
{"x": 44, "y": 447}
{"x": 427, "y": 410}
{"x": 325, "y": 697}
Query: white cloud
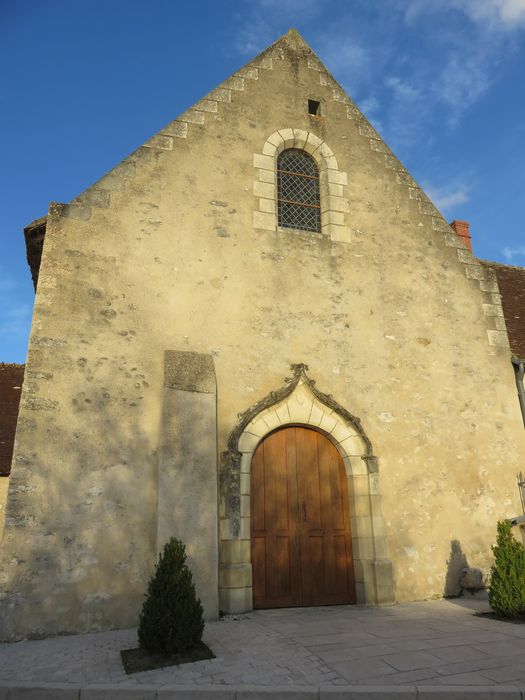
{"x": 510, "y": 254}
{"x": 447, "y": 199}
{"x": 498, "y": 15}
{"x": 403, "y": 89}
{"x": 462, "y": 81}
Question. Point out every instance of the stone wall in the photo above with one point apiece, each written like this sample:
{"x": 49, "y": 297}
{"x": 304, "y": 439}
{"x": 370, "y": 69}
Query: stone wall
{"x": 394, "y": 317}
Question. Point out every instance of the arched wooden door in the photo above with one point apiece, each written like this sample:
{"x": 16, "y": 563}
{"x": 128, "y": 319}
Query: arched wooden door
{"x": 300, "y": 528}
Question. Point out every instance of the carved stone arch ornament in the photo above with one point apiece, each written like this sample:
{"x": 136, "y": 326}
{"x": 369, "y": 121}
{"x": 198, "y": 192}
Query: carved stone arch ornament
{"x": 299, "y": 402}
{"x": 332, "y": 182}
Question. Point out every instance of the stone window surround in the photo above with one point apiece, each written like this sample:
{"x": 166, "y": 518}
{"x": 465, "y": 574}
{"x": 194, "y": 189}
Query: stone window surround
{"x": 373, "y": 569}
{"x": 332, "y": 182}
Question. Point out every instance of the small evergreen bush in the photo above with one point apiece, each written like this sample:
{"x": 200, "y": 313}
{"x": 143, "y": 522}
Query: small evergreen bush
{"x": 507, "y": 583}
{"x": 171, "y": 619}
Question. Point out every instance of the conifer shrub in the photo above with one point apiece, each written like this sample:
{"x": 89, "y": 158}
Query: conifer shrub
{"x": 507, "y": 583}
{"x": 171, "y": 619}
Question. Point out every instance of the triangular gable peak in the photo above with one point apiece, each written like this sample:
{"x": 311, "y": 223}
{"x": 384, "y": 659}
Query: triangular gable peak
{"x": 337, "y": 219}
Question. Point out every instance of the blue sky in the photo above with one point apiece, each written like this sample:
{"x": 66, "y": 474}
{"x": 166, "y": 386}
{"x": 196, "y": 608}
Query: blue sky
{"x": 83, "y": 84}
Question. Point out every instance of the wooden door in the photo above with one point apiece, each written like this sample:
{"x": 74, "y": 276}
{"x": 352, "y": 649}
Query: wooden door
{"x": 300, "y": 528}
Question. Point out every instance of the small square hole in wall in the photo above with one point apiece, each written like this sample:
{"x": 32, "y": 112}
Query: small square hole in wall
{"x": 314, "y": 107}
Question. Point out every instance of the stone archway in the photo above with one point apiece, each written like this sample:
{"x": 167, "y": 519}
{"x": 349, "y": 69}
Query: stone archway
{"x": 333, "y": 182}
{"x": 299, "y": 402}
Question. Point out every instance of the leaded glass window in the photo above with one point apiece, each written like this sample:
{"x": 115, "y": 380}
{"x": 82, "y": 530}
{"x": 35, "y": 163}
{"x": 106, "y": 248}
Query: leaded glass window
{"x": 298, "y": 203}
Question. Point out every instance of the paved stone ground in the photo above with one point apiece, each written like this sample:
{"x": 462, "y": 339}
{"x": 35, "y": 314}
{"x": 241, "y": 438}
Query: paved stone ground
{"x": 432, "y": 643}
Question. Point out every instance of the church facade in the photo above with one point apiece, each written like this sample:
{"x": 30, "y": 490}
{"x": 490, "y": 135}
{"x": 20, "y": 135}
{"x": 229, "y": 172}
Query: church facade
{"x": 256, "y": 334}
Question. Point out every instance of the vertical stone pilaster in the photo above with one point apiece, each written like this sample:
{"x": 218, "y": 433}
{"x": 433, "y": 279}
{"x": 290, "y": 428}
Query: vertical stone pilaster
{"x": 187, "y": 477}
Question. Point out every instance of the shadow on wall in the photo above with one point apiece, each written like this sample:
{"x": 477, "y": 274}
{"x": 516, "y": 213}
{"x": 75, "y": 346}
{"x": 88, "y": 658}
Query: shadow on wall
{"x": 457, "y": 561}
{"x": 80, "y": 538}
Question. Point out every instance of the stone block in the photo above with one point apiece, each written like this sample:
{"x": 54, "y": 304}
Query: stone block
{"x": 428, "y": 208}
{"x": 379, "y": 146}
{"x": 499, "y": 338}
{"x": 267, "y": 205}
{"x": 245, "y": 505}
{"x": 266, "y": 175}
{"x": 316, "y": 414}
{"x": 452, "y": 240}
{"x": 177, "y": 129}
{"x": 245, "y": 484}
{"x": 341, "y": 431}
{"x": 359, "y": 485}
{"x": 160, "y": 142}
{"x": 334, "y": 217}
{"x": 288, "y": 138}
{"x": 234, "y": 551}
{"x": 206, "y": 106}
{"x": 475, "y": 272}
{"x": 276, "y": 139}
{"x": 248, "y": 442}
{"x": 300, "y": 137}
{"x": 361, "y": 508}
{"x": 415, "y": 193}
{"x": 366, "y": 129}
{"x": 250, "y": 73}
{"x": 361, "y": 526}
{"x": 262, "y": 161}
{"x": 352, "y": 445}
{"x": 334, "y": 204}
{"x": 235, "y": 575}
{"x": 363, "y": 547}
{"x": 312, "y": 143}
{"x": 403, "y": 178}
{"x": 189, "y": 371}
{"x": 465, "y": 256}
{"x": 283, "y": 413}
{"x": 235, "y": 600}
{"x": 271, "y": 419}
{"x": 328, "y": 163}
{"x": 220, "y": 94}
{"x": 266, "y": 62}
{"x": 336, "y": 176}
{"x": 246, "y": 463}
{"x": 263, "y": 220}
{"x": 264, "y": 189}
{"x": 492, "y": 310}
{"x": 191, "y": 116}
{"x": 234, "y": 83}
{"x": 269, "y": 149}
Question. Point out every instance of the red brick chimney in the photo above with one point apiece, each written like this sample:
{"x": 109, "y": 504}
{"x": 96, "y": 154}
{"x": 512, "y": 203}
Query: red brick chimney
{"x": 462, "y": 228}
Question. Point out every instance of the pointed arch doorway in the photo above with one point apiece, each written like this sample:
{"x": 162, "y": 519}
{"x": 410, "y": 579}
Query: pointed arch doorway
{"x": 301, "y": 546}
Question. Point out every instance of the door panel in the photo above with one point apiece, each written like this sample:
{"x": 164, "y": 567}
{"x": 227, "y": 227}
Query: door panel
{"x": 300, "y": 528}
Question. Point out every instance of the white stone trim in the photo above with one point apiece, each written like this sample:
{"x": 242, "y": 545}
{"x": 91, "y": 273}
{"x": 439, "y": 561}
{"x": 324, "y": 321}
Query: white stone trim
{"x": 332, "y": 182}
{"x": 372, "y": 568}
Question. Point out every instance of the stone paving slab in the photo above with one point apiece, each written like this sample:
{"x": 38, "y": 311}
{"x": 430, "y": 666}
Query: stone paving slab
{"x": 427, "y": 650}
